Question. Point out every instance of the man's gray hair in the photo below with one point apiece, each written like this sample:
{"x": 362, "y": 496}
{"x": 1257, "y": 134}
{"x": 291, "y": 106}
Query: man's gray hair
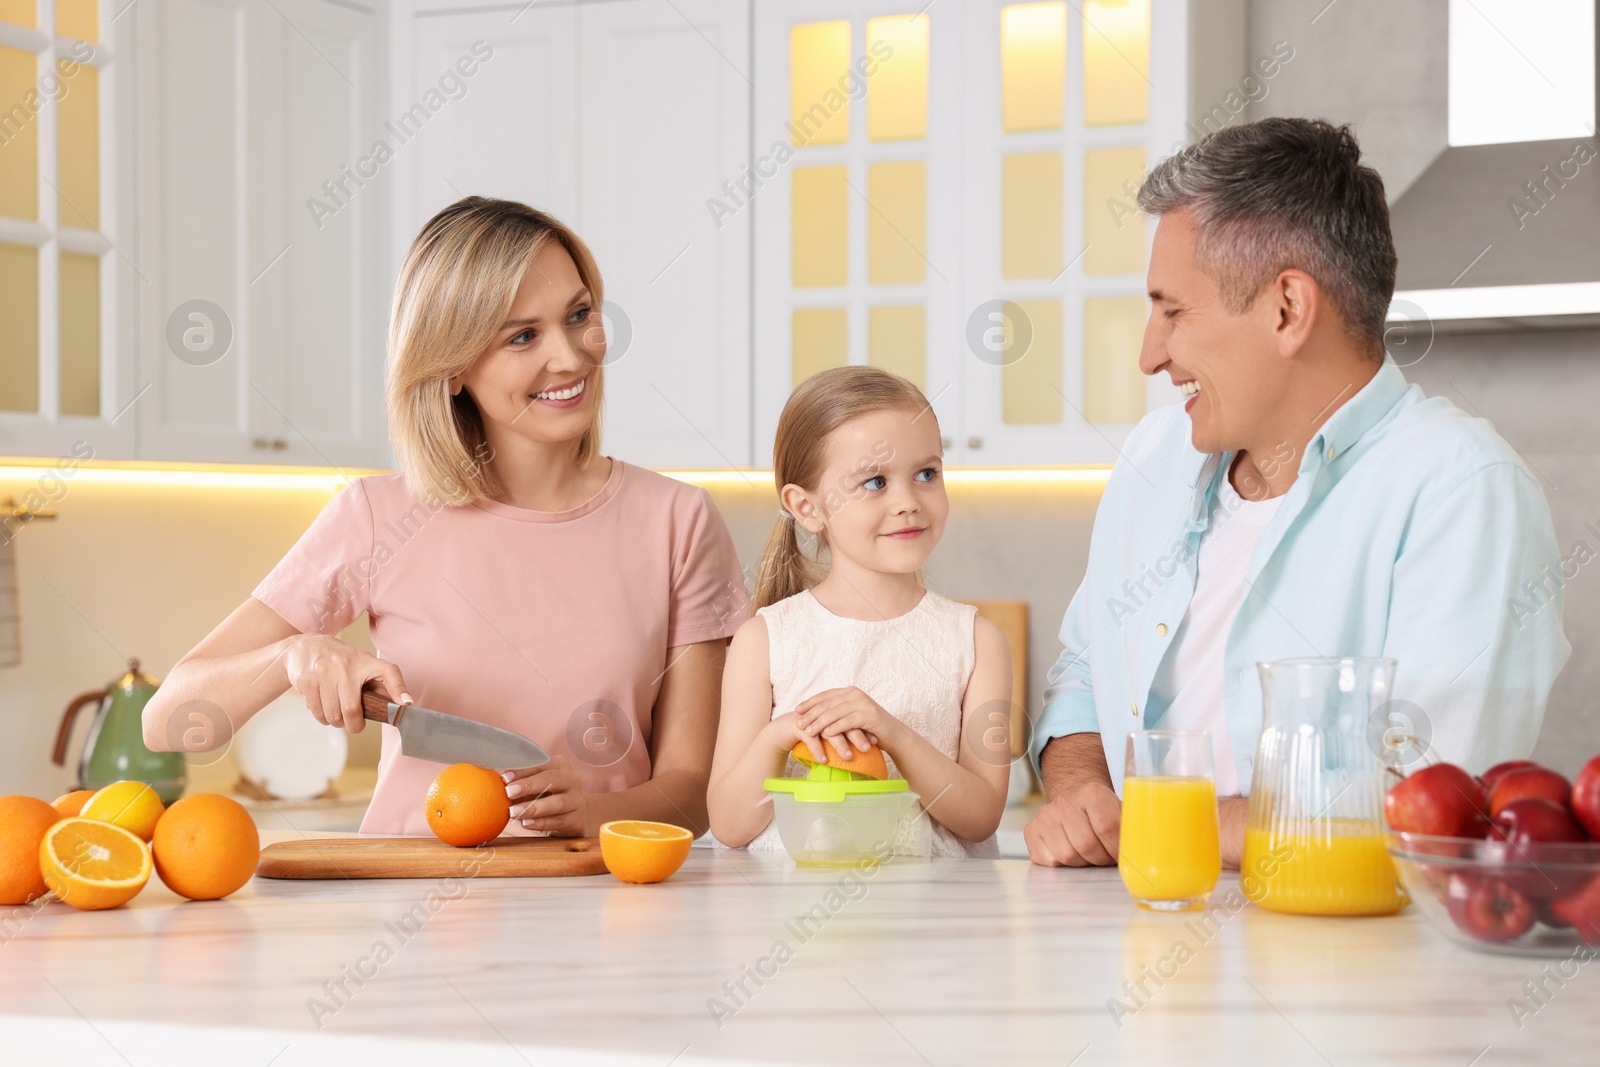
{"x": 1285, "y": 193}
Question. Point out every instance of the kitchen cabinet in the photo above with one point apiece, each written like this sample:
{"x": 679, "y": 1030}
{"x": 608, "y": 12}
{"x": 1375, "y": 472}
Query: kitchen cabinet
{"x": 262, "y": 213}
{"x": 956, "y": 203}
{"x": 622, "y": 119}
{"x": 69, "y": 273}
{"x": 768, "y": 187}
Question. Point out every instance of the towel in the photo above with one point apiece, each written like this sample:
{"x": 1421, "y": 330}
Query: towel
{"x": 10, "y": 622}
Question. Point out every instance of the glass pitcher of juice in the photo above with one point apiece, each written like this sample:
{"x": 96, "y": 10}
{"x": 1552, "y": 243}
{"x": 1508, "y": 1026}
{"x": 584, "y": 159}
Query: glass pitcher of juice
{"x": 1168, "y": 852}
{"x": 1313, "y": 840}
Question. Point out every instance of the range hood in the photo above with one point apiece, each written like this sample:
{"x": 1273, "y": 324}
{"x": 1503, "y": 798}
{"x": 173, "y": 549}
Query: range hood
{"x": 1502, "y": 235}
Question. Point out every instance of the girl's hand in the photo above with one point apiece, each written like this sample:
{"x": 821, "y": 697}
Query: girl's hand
{"x": 548, "y": 798}
{"x": 329, "y": 675}
{"x": 784, "y": 731}
{"x": 848, "y": 718}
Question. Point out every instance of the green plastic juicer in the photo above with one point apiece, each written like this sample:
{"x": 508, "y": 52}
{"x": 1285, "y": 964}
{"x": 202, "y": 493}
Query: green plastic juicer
{"x": 827, "y": 784}
{"x": 838, "y": 818}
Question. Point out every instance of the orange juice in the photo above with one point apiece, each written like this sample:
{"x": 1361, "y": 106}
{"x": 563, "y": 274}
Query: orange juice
{"x": 1168, "y": 854}
{"x": 1345, "y": 870}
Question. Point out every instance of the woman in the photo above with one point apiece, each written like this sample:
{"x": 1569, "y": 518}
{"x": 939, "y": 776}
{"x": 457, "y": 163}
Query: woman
{"x": 511, "y": 573}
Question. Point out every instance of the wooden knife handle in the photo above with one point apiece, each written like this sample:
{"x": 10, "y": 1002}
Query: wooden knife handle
{"x": 376, "y": 708}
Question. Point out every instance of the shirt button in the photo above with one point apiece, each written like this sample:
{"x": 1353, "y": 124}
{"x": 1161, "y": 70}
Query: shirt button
{"x": 1161, "y": 629}
{"x": 1330, "y": 451}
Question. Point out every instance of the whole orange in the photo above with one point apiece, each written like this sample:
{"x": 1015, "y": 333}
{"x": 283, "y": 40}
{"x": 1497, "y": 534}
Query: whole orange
{"x": 70, "y": 805}
{"x": 206, "y": 846}
{"x": 467, "y": 805}
{"x": 23, "y": 822}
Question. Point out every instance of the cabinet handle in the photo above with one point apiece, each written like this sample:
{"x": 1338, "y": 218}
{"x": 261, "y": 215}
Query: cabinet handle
{"x": 974, "y": 442}
{"x": 945, "y": 442}
{"x": 277, "y": 444}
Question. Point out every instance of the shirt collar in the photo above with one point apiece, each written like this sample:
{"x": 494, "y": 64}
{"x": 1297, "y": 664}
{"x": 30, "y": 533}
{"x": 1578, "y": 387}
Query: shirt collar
{"x": 1343, "y": 429}
{"x": 1359, "y": 414}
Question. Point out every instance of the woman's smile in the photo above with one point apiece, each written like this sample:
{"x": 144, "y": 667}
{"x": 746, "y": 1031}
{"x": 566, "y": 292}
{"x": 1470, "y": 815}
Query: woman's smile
{"x": 569, "y": 395}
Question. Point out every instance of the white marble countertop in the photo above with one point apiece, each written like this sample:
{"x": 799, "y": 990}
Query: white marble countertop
{"x": 950, "y": 962}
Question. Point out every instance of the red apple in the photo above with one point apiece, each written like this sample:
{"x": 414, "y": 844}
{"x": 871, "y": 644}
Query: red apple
{"x": 1529, "y": 782}
{"x": 1488, "y": 908}
{"x": 1517, "y": 843}
{"x": 1586, "y": 797}
{"x": 1441, "y": 799}
{"x": 1500, "y": 770}
{"x": 1581, "y": 909}
{"x": 1533, "y": 820}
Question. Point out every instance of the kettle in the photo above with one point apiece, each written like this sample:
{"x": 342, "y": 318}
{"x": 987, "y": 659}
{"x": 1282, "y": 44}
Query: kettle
{"x": 115, "y": 750}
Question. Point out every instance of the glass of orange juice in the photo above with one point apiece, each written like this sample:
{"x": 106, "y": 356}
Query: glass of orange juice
{"x": 1169, "y": 855}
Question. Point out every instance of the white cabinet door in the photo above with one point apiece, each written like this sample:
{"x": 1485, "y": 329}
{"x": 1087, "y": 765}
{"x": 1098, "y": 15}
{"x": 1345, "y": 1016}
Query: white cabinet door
{"x": 622, "y": 120}
{"x": 508, "y": 130}
{"x": 664, "y": 90}
{"x": 262, "y": 211}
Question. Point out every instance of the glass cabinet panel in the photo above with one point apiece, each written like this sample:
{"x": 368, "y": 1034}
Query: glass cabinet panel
{"x": 819, "y": 62}
{"x": 1113, "y": 332}
{"x": 1033, "y": 66}
{"x": 19, "y": 328}
{"x": 80, "y": 334}
{"x": 897, "y": 341}
{"x": 897, "y": 222}
{"x": 897, "y": 103}
{"x": 820, "y": 227}
{"x": 1031, "y": 389}
{"x": 1116, "y": 61}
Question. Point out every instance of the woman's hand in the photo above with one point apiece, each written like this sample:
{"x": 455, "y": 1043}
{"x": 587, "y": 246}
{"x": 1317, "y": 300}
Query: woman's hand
{"x": 847, "y": 718}
{"x": 330, "y": 674}
{"x": 548, "y": 798}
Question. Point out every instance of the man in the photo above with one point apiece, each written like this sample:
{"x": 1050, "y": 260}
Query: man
{"x": 1304, "y": 501}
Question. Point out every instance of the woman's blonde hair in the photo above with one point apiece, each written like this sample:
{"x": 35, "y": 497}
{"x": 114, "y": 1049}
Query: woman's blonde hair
{"x": 454, "y": 292}
{"x": 818, "y": 406}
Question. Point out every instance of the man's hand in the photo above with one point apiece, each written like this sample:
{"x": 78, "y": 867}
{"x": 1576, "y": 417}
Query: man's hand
{"x": 1076, "y": 829}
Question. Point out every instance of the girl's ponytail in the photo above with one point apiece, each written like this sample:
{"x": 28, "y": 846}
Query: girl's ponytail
{"x": 784, "y": 569}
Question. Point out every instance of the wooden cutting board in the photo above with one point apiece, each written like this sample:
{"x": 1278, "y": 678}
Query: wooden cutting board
{"x": 427, "y": 857}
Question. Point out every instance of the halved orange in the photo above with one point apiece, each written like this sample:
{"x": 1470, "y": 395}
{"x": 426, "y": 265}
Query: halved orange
{"x": 868, "y": 764}
{"x": 93, "y": 865}
{"x": 638, "y": 851}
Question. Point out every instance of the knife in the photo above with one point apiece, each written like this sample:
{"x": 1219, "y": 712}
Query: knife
{"x": 433, "y": 735}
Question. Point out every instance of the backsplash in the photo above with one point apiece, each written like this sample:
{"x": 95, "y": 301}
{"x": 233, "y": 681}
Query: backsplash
{"x": 147, "y": 570}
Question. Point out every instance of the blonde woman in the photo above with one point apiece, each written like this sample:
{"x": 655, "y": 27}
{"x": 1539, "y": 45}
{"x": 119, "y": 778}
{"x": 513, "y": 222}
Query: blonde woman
{"x": 511, "y": 573}
{"x": 859, "y": 653}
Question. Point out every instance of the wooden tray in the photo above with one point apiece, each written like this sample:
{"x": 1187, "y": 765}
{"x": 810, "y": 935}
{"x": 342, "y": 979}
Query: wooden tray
{"x": 426, "y": 857}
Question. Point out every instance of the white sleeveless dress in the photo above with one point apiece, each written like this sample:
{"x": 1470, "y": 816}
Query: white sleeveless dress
{"x": 915, "y": 666}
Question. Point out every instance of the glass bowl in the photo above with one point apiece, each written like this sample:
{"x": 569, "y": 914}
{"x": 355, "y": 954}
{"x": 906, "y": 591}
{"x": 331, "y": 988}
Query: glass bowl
{"x": 1537, "y": 900}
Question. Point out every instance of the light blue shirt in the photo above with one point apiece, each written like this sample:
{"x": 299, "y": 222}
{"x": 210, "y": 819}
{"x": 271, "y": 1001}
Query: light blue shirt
{"x": 1412, "y": 531}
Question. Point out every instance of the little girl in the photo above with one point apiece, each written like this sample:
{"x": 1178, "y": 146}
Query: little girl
{"x": 866, "y": 655}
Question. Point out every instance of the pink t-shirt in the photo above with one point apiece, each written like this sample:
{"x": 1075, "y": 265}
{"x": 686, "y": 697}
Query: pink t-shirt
{"x": 553, "y": 624}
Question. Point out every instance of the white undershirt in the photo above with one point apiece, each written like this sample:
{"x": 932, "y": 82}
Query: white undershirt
{"x": 1189, "y": 682}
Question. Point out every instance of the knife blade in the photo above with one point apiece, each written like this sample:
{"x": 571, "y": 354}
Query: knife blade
{"x": 444, "y": 738}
